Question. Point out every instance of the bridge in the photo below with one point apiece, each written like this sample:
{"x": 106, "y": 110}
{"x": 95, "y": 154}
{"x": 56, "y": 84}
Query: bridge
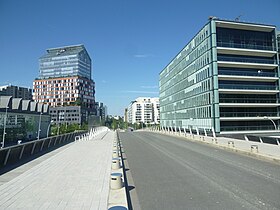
{"x": 160, "y": 171}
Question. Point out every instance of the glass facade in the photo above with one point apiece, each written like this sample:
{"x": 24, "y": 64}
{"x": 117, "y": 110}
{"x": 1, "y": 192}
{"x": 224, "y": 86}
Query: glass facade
{"x": 65, "y": 61}
{"x": 186, "y": 88}
{"x": 226, "y": 78}
{"x": 246, "y": 39}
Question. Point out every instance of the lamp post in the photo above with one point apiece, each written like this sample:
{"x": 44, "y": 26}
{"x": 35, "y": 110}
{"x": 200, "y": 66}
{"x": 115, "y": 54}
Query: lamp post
{"x": 4, "y": 130}
{"x": 49, "y": 128}
{"x": 266, "y": 117}
{"x": 39, "y": 127}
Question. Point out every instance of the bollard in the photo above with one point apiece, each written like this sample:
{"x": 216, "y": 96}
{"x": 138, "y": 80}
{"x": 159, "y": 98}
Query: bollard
{"x": 230, "y": 143}
{"x": 77, "y": 138}
{"x": 254, "y": 148}
{"x": 214, "y": 140}
{"x": 116, "y": 164}
{"x": 116, "y": 181}
{"x": 115, "y": 154}
{"x": 118, "y": 208}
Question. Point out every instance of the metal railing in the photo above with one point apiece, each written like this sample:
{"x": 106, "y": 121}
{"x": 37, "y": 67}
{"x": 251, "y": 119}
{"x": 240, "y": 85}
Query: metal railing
{"x": 246, "y": 128}
{"x": 247, "y": 100}
{"x": 248, "y": 87}
{"x": 244, "y": 46}
{"x": 247, "y": 73}
{"x": 248, "y": 114}
{"x": 246, "y": 60}
{"x": 13, "y": 154}
{"x": 263, "y": 139}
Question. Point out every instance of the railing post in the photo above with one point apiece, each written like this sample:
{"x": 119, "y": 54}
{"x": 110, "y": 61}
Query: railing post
{"x": 21, "y": 152}
{"x": 33, "y": 148}
{"x": 42, "y": 145}
{"x": 7, "y": 156}
{"x": 50, "y": 142}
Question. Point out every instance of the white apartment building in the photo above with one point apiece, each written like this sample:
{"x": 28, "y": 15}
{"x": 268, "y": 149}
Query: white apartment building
{"x": 144, "y": 109}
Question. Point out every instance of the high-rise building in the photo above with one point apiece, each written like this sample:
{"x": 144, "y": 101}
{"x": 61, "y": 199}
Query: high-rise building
{"x": 226, "y": 79}
{"x": 65, "y": 81}
{"x": 65, "y": 62}
{"x": 16, "y": 92}
{"x": 144, "y": 110}
{"x": 101, "y": 110}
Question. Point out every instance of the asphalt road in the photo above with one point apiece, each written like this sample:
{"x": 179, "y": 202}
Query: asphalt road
{"x": 171, "y": 173}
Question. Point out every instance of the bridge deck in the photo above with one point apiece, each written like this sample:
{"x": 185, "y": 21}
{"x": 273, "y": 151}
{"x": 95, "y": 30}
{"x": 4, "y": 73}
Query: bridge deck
{"x": 75, "y": 178}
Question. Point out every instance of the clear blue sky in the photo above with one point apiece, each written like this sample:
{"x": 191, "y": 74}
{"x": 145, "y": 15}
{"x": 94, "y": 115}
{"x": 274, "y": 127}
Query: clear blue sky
{"x": 129, "y": 41}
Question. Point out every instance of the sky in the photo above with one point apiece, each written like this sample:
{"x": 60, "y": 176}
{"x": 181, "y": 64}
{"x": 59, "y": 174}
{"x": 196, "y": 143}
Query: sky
{"x": 129, "y": 41}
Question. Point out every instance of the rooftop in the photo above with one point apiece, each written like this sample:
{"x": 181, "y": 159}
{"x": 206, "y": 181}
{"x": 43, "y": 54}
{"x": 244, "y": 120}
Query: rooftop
{"x": 62, "y": 51}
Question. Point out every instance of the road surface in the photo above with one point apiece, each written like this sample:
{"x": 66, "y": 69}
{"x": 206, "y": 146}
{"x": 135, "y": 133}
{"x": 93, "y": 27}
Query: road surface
{"x": 172, "y": 173}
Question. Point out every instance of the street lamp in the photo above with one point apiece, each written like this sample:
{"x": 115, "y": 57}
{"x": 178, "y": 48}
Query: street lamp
{"x": 4, "y": 130}
{"x": 39, "y": 127}
{"x": 266, "y": 117}
{"x": 49, "y": 128}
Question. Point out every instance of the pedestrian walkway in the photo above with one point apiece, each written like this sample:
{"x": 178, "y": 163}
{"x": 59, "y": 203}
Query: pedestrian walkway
{"x": 75, "y": 178}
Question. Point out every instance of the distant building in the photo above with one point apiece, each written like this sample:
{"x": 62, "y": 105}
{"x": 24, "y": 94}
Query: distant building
{"x": 16, "y": 92}
{"x": 125, "y": 115}
{"x": 144, "y": 110}
{"x": 101, "y": 110}
{"x": 225, "y": 79}
{"x": 68, "y": 114}
{"x": 65, "y": 84}
{"x": 23, "y": 118}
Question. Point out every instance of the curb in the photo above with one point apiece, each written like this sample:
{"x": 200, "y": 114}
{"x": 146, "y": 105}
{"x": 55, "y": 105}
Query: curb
{"x": 117, "y": 196}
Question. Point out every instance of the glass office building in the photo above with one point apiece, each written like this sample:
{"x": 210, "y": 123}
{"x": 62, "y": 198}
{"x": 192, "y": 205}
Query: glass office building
{"x": 64, "y": 62}
{"x": 225, "y": 79}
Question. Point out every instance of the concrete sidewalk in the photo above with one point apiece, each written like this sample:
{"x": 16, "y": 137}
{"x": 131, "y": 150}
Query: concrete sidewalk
{"x": 75, "y": 178}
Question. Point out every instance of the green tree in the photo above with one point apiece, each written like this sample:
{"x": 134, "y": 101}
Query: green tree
{"x": 114, "y": 124}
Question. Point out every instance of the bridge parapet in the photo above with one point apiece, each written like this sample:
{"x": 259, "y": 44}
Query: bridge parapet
{"x": 13, "y": 154}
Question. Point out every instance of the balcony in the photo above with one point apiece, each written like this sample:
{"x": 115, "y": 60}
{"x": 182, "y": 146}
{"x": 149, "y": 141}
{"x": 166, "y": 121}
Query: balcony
{"x": 246, "y": 47}
{"x": 259, "y": 105}
{"x": 246, "y": 62}
{"x": 259, "y": 115}
{"x": 240, "y": 72}
{"x": 247, "y": 78}
{"x": 246, "y": 128}
{"x": 248, "y": 87}
{"x": 245, "y": 59}
{"x": 247, "y": 100}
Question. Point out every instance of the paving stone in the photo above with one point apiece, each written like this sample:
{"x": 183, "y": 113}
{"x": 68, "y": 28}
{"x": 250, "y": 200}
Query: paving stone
{"x": 75, "y": 178}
